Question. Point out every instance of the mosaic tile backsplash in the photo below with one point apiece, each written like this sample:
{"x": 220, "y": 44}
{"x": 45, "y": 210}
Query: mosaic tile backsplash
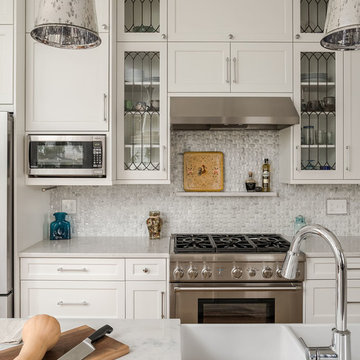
{"x": 122, "y": 210}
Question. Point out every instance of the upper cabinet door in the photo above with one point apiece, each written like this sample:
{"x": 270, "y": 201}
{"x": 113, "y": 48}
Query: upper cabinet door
{"x": 241, "y": 20}
{"x": 261, "y": 67}
{"x": 66, "y": 90}
{"x": 199, "y": 67}
{"x": 6, "y": 64}
{"x": 309, "y": 20}
{"x": 141, "y": 20}
{"x": 352, "y": 115}
{"x": 6, "y": 12}
{"x": 102, "y": 12}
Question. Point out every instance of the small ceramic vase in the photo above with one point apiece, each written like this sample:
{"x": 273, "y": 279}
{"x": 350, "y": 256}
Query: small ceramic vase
{"x": 154, "y": 224}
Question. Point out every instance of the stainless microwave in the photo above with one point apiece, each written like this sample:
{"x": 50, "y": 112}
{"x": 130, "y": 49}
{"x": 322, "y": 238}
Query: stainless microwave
{"x": 66, "y": 155}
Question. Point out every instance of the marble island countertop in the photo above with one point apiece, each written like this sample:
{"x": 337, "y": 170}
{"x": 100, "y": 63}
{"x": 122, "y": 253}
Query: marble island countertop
{"x": 110, "y": 247}
{"x": 147, "y": 339}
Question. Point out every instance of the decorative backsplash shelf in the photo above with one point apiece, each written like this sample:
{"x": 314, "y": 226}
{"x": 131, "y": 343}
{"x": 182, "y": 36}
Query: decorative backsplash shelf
{"x": 226, "y": 194}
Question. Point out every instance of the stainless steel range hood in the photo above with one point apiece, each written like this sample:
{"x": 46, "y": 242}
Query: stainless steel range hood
{"x": 232, "y": 113}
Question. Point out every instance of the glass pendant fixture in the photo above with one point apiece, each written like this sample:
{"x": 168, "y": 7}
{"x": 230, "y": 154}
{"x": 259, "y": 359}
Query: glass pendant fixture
{"x": 67, "y": 24}
{"x": 342, "y": 26}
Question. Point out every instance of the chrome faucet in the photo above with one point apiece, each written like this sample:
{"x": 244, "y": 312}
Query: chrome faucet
{"x": 340, "y": 347}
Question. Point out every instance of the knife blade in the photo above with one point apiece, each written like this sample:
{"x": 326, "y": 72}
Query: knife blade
{"x": 85, "y": 348}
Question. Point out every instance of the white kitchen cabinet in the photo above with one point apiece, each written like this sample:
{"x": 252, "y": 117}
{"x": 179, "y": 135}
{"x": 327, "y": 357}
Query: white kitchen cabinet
{"x": 261, "y": 67}
{"x": 241, "y": 20}
{"x": 320, "y": 301}
{"x": 6, "y": 64}
{"x": 351, "y": 115}
{"x": 73, "y": 299}
{"x": 102, "y": 12}
{"x": 312, "y": 152}
{"x": 199, "y": 67}
{"x": 145, "y": 299}
{"x": 145, "y": 269}
{"x": 142, "y": 119}
{"x": 141, "y": 20}
{"x": 67, "y": 90}
{"x": 6, "y": 12}
{"x": 309, "y": 20}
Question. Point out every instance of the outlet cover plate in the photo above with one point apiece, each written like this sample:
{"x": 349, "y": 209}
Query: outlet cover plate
{"x": 336, "y": 207}
{"x": 68, "y": 206}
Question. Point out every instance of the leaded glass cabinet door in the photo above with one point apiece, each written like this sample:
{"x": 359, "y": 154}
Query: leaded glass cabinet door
{"x": 142, "y": 112}
{"x": 309, "y": 19}
{"x": 142, "y": 20}
{"x": 318, "y": 97}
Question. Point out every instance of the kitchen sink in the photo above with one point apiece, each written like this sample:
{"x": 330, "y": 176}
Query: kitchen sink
{"x": 239, "y": 342}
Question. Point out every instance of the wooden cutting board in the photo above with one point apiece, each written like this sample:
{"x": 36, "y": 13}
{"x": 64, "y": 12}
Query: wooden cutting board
{"x": 106, "y": 348}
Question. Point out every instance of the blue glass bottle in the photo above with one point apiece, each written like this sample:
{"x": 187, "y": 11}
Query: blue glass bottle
{"x": 60, "y": 228}
{"x": 299, "y": 223}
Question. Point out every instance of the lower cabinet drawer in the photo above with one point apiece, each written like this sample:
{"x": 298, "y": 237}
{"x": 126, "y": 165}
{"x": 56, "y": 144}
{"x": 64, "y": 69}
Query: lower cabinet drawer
{"x": 145, "y": 269}
{"x": 324, "y": 268}
{"x": 73, "y": 299}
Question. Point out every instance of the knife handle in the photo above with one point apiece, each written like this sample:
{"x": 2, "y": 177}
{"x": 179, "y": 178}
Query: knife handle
{"x": 98, "y": 334}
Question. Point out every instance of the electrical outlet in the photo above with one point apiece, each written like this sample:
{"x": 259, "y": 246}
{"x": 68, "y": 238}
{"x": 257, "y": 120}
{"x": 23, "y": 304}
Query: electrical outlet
{"x": 336, "y": 207}
{"x": 68, "y": 206}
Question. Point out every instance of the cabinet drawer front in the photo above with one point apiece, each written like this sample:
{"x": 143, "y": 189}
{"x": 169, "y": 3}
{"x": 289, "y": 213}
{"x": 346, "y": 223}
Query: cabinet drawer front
{"x": 320, "y": 301}
{"x": 324, "y": 268}
{"x": 73, "y": 299}
{"x": 145, "y": 269}
{"x": 72, "y": 269}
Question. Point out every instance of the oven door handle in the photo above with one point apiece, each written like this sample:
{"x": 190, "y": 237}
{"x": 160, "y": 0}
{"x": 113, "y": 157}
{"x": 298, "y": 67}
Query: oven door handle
{"x": 260, "y": 288}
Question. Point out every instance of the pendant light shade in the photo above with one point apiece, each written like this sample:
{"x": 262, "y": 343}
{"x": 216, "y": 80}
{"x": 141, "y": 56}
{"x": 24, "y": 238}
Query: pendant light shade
{"x": 342, "y": 26}
{"x": 68, "y": 24}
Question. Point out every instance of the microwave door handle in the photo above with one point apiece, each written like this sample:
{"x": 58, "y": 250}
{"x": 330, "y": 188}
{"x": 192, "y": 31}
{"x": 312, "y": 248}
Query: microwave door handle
{"x": 240, "y": 288}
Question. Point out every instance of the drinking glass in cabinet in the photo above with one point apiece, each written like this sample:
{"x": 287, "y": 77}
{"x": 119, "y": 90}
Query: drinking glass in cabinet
{"x": 308, "y": 135}
{"x": 142, "y": 16}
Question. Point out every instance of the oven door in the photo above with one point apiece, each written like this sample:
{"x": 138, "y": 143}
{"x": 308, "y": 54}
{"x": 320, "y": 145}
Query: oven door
{"x": 66, "y": 155}
{"x": 236, "y": 303}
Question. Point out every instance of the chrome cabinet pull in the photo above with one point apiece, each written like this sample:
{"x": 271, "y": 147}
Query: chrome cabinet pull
{"x": 347, "y": 166}
{"x": 252, "y": 288}
{"x": 164, "y": 157}
{"x": 61, "y": 269}
{"x": 105, "y": 103}
{"x": 146, "y": 270}
{"x": 82, "y": 303}
{"x": 104, "y": 26}
{"x": 230, "y": 36}
{"x": 227, "y": 69}
{"x": 162, "y": 304}
{"x": 235, "y": 77}
{"x": 297, "y": 158}
{"x": 354, "y": 268}
{"x": 353, "y": 302}
{"x": 163, "y": 36}
{"x": 297, "y": 36}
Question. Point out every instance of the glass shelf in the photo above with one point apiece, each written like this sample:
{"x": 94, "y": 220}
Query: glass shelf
{"x": 317, "y": 146}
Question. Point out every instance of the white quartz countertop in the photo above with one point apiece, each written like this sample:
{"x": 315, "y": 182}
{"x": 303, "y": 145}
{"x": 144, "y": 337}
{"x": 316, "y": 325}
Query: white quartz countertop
{"x": 147, "y": 339}
{"x": 317, "y": 247}
{"x": 100, "y": 247}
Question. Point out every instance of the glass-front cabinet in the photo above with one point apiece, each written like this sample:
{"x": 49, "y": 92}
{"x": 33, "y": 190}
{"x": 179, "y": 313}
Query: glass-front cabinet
{"x": 141, "y": 20}
{"x": 318, "y": 97}
{"x": 142, "y": 140}
{"x": 309, "y": 19}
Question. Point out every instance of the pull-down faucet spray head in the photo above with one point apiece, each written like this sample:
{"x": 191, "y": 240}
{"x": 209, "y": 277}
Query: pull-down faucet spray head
{"x": 290, "y": 265}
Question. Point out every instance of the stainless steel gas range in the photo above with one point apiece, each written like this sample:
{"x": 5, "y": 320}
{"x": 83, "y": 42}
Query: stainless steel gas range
{"x": 233, "y": 278}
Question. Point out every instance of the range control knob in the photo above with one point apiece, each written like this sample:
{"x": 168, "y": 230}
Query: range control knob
{"x": 267, "y": 272}
{"x": 252, "y": 272}
{"x": 236, "y": 272}
{"x": 278, "y": 273}
{"x": 178, "y": 273}
{"x": 192, "y": 272}
{"x": 206, "y": 273}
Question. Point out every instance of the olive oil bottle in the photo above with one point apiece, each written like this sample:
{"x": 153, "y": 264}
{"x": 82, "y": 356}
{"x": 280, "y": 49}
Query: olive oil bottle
{"x": 266, "y": 176}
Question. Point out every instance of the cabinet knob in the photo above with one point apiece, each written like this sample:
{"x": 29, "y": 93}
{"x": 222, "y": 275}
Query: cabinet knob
{"x": 231, "y": 36}
{"x": 297, "y": 36}
{"x": 163, "y": 36}
{"x": 104, "y": 26}
{"x": 146, "y": 270}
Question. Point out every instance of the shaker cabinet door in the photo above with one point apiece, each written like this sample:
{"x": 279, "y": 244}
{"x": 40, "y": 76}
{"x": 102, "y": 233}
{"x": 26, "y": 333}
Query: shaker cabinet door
{"x": 6, "y": 64}
{"x": 261, "y": 67}
{"x": 66, "y": 90}
{"x": 199, "y": 67}
{"x": 241, "y": 20}
{"x": 6, "y": 12}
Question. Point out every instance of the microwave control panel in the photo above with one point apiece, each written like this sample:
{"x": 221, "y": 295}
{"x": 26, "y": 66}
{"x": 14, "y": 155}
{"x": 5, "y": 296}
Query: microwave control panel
{"x": 97, "y": 154}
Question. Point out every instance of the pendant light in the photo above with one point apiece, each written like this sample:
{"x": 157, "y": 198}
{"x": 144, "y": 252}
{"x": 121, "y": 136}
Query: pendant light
{"x": 342, "y": 25}
{"x": 67, "y": 24}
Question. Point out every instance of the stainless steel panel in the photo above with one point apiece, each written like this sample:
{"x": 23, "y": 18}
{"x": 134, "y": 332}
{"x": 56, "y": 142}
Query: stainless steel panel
{"x": 6, "y": 306}
{"x": 288, "y": 298}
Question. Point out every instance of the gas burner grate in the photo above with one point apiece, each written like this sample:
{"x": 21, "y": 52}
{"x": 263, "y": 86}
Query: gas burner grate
{"x": 232, "y": 243}
{"x": 269, "y": 243}
{"x": 193, "y": 243}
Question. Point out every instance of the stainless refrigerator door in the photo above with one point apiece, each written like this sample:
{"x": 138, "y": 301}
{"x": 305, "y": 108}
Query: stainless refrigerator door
{"x": 6, "y": 205}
